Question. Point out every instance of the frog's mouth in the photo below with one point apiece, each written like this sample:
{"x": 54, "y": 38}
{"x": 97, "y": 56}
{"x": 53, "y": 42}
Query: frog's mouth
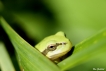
{"x": 52, "y": 47}
{"x": 56, "y": 56}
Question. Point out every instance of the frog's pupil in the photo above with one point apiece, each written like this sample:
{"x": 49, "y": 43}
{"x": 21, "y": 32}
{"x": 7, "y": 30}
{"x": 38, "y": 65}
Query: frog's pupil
{"x": 51, "y": 46}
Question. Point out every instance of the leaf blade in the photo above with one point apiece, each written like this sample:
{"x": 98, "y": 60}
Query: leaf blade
{"x": 88, "y": 50}
{"x": 31, "y": 58}
{"x": 5, "y": 62}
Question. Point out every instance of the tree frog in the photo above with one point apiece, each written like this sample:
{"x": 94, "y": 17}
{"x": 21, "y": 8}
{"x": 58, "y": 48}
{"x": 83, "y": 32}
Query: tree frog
{"x": 54, "y": 46}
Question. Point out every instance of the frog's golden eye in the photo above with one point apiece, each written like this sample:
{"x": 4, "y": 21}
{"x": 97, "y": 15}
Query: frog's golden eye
{"x": 52, "y": 47}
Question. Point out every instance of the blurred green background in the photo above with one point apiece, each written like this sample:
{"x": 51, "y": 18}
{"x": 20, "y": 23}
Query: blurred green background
{"x": 36, "y": 19}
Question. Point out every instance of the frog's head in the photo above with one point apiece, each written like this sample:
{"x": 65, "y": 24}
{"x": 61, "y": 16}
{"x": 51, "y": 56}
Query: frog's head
{"x": 55, "y": 46}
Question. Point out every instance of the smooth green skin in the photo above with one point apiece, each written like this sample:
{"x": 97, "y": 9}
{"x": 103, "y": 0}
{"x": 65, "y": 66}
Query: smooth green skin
{"x": 61, "y": 50}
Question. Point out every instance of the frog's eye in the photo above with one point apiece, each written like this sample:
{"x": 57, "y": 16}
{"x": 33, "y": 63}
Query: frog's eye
{"x": 52, "y": 47}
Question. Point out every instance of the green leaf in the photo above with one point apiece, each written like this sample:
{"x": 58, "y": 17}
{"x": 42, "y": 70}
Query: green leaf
{"x": 91, "y": 51}
{"x": 5, "y": 62}
{"x": 30, "y": 58}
